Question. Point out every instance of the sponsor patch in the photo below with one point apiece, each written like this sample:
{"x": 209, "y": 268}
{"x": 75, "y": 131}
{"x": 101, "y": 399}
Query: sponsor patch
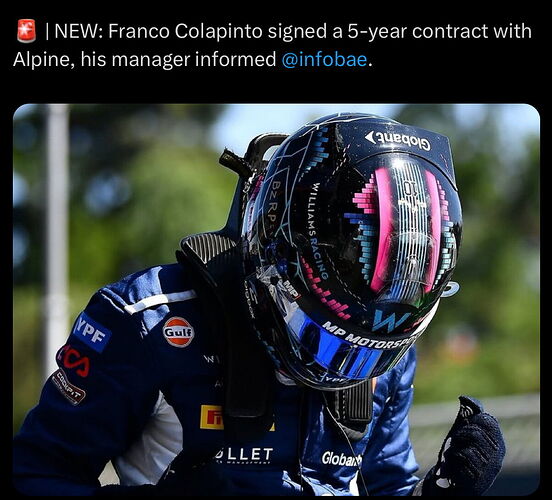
{"x": 71, "y": 392}
{"x": 70, "y": 358}
{"x": 211, "y": 418}
{"x": 178, "y": 332}
{"x": 91, "y": 333}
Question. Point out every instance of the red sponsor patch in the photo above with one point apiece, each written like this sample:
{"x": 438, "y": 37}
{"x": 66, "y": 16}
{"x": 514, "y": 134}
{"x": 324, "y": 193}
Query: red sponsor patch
{"x": 26, "y": 31}
{"x": 178, "y": 332}
{"x": 71, "y": 392}
{"x": 70, "y": 358}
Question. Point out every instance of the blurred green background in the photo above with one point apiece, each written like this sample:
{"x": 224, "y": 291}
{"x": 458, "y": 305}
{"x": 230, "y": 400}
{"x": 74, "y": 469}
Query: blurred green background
{"x": 142, "y": 176}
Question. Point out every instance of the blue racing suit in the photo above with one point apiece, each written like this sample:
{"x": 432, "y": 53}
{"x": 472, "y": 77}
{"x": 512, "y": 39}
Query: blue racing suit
{"x": 139, "y": 381}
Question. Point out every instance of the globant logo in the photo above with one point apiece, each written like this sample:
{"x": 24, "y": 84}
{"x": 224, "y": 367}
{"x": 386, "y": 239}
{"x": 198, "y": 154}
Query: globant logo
{"x": 409, "y": 140}
{"x": 330, "y": 458}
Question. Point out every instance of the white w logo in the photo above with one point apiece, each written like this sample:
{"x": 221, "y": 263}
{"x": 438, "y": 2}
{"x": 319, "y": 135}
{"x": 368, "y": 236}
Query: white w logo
{"x": 389, "y": 321}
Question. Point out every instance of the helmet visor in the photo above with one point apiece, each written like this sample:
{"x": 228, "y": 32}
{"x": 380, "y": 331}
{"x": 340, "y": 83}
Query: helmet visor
{"x": 326, "y": 357}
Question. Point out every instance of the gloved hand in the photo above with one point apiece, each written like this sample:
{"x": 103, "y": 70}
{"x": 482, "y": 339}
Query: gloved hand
{"x": 471, "y": 455}
{"x": 183, "y": 477}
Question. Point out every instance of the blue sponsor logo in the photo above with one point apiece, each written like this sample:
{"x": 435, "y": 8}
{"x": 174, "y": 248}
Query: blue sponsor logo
{"x": 91, "y": 333}
{"x": 379, "y": 322}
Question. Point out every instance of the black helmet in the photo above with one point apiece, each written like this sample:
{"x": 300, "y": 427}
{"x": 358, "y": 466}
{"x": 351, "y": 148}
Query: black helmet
{"x": 350, "y": 237}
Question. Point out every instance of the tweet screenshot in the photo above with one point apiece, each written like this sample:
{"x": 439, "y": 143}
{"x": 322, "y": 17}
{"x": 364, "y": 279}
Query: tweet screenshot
{"x": 272, "y": 254}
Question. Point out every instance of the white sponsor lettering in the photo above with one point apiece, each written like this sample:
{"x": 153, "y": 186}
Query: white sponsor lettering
{"x": 363, "y": 341}
{"x": 211, "y": 359}
{"x": 273, "y": 205}
{"x": 409, "y": 140}
{"x": 330, "y": 458}
{"x": 88, "y": 329}
{"x": 178, "y": 331}
{"x": 318, "y": 258}
{"x": 244, "y": 456}
{"x": 97, "y": 335}
{"x": 289, "y": 287}
{"x": 333, "y": 329}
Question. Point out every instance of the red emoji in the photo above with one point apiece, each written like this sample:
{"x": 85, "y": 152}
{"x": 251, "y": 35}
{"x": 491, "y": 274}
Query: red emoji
{"x": 26, "y": 32}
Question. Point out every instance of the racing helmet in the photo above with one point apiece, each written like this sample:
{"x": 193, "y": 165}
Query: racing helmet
{"x": 350, "y": 237}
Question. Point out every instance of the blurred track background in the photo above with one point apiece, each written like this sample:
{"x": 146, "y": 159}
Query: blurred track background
{"x": 142, "y": 176}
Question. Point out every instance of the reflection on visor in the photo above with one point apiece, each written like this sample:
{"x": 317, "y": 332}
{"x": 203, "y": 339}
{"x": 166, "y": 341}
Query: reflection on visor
{"x": 319, "y": 356}
{"x": 406, "y": 277}
{"x": 324, "y": 356}
{"x": 409, "y": 235}
{"x": 338, "y": 357}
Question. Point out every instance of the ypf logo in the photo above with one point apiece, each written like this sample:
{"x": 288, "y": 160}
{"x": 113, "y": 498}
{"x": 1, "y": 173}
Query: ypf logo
{"x": 178, "y": 332}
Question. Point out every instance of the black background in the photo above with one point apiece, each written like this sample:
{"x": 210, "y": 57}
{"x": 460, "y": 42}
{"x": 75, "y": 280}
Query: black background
{"x": 409, "y": 71}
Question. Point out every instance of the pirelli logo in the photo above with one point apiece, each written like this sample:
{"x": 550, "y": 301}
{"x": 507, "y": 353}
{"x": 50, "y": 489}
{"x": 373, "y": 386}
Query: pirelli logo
{"x": 211, "y": 418}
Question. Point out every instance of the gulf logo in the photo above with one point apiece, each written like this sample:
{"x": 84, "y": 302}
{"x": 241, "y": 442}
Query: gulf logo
{"x": 178, "y": 332}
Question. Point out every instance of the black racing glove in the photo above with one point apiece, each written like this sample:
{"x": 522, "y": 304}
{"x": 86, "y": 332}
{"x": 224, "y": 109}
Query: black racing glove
{"x": 471, "y": 456}
{"x": 181, "y": 478}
